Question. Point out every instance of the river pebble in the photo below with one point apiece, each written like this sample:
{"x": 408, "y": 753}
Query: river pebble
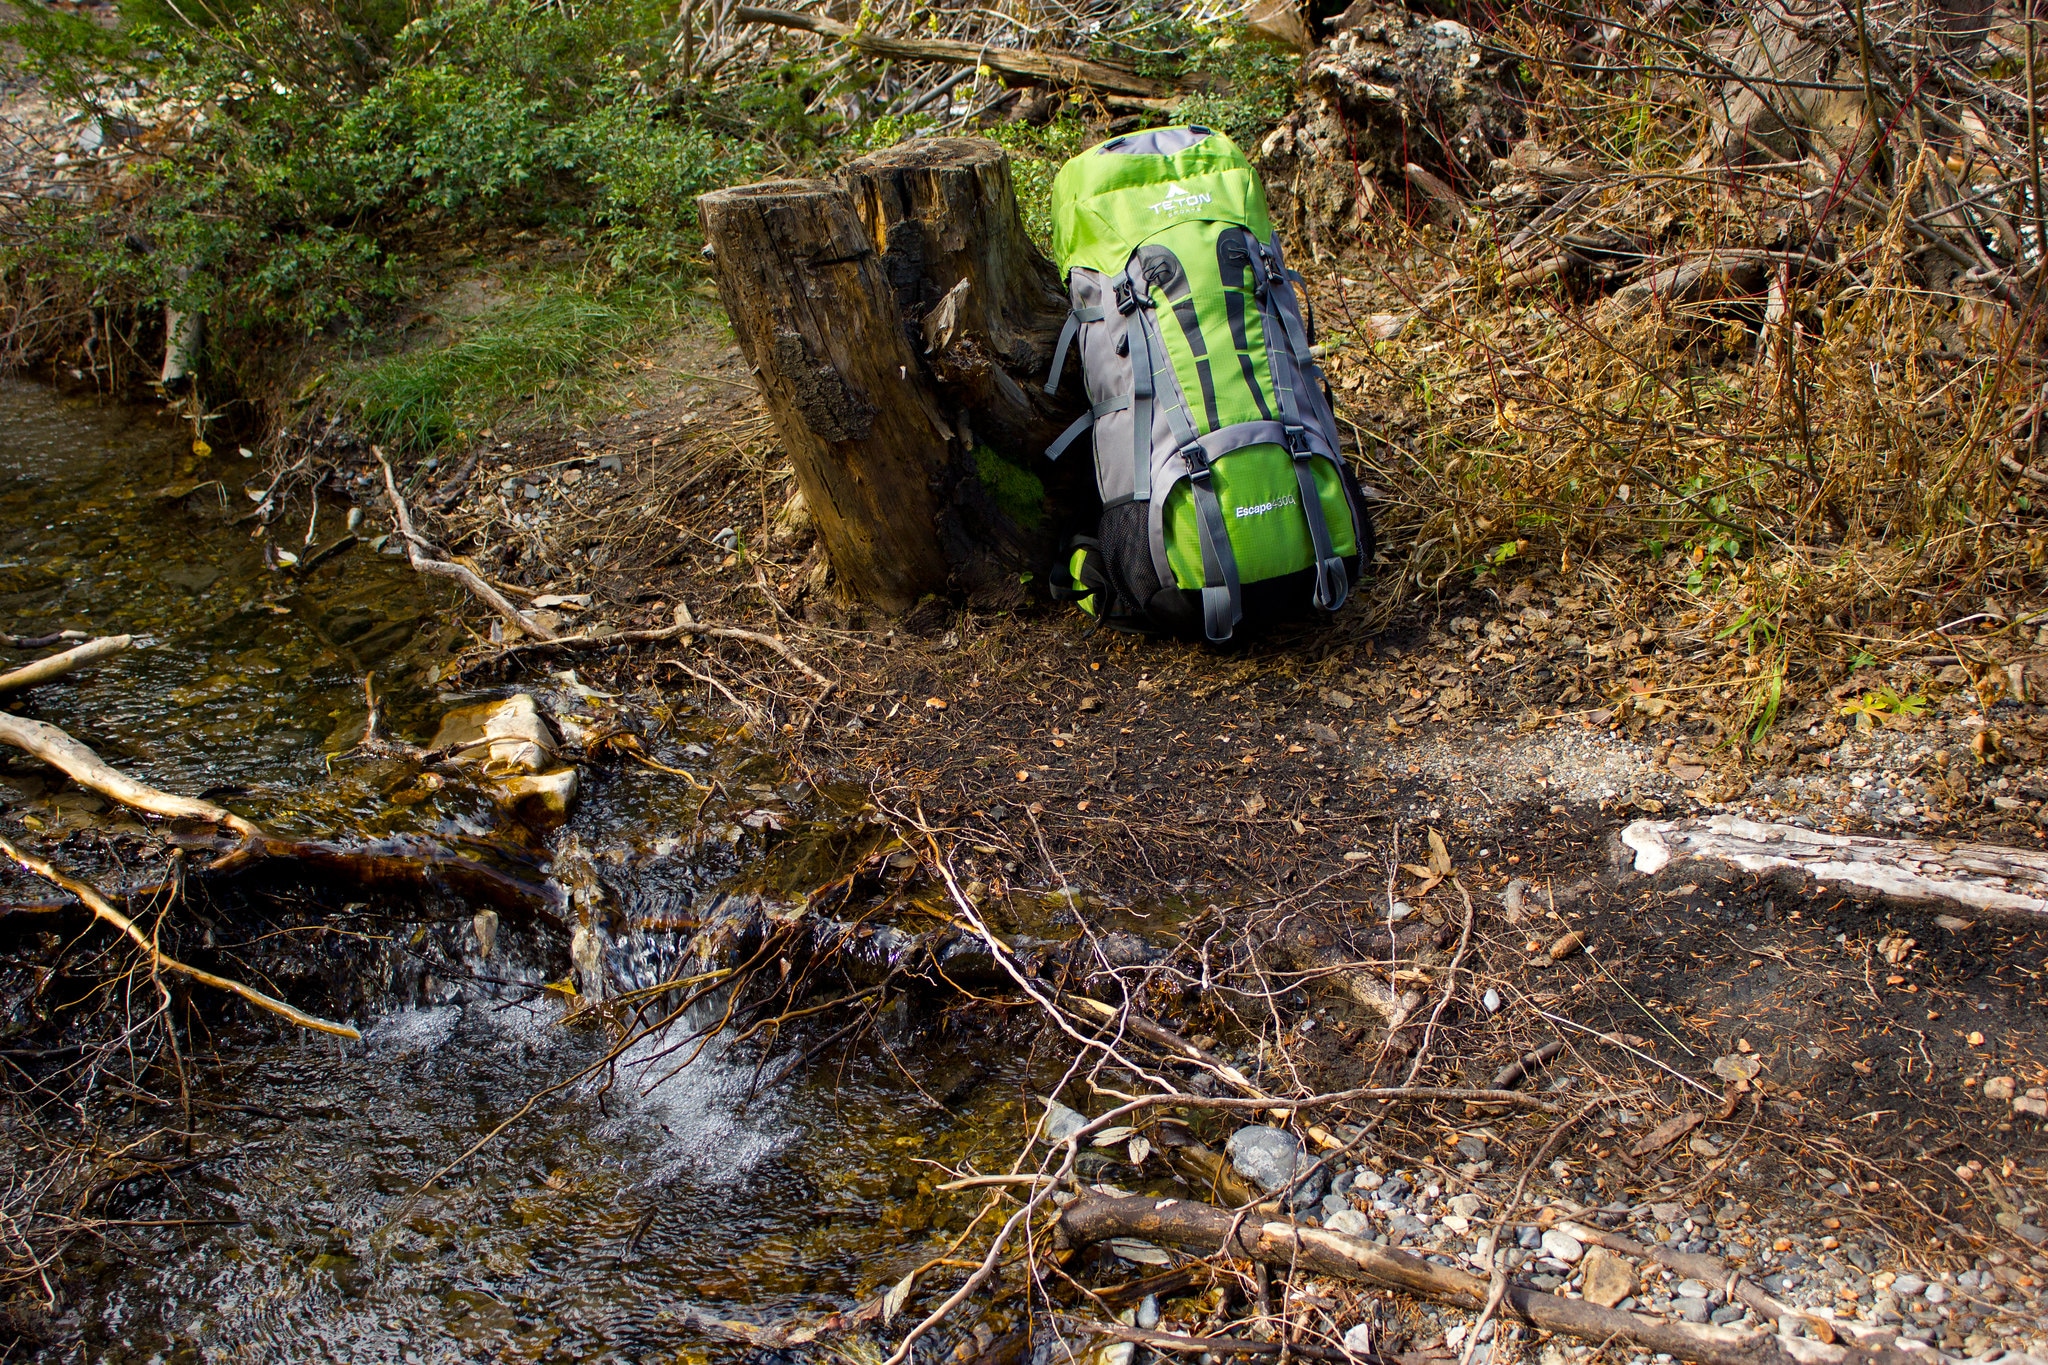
{"x": 1272, "y": 1159}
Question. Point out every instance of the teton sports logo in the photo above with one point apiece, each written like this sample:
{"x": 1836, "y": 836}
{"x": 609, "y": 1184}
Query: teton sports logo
{"x": 1179, "y": 200}
{"x": 1259, "y": 509}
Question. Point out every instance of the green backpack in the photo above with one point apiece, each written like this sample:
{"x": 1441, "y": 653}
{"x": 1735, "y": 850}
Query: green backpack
{"x": 1225, "y": 497}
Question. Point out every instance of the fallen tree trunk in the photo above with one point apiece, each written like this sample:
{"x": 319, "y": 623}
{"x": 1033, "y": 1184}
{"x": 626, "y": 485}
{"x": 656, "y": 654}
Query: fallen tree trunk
{"x": 57, "y": 665}
{"x": 816, "y": 316}
{"x": 1985, "y": 880}
{"x": 1205, "y": 1230}
{"x": 1056, "y": 67}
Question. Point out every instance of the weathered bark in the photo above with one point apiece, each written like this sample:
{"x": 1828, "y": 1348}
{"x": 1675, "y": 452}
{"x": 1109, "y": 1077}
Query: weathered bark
{"x": 816, "y": 315}
{"x": 1981, "y": 880}
{"x": 973, "y": 287}
{"x": 984, "y": 307}
{"x": 1203, "y": 1230}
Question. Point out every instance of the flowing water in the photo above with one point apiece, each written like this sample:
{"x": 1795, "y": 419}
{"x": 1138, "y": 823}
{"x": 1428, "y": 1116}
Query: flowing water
{"x": 596, "y": 1227}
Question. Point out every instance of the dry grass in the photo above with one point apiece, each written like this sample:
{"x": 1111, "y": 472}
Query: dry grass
{"x": 1757, "y": 403}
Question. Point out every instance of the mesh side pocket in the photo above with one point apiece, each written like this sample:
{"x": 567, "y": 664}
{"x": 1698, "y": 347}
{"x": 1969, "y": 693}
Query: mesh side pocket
{"x": 1127, "y": 551}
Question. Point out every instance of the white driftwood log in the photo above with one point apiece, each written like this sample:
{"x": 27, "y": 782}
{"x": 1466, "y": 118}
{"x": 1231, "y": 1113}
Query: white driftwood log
{"x": 57, "y": 665}
{"x": 88, "y": 769}
{"x": 1987, "y": 880}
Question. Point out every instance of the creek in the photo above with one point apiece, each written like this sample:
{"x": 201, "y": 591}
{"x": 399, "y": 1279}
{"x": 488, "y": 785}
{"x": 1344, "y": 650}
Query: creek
{"x": 593, "y": 1228}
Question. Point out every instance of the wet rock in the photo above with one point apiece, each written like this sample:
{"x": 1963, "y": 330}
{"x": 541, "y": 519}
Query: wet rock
{"x": 1060, "y": 1122}
{"x": 1271, "y": 1159}
{"x": 485, "y": 923}
{"x": 510, "y": 743}
{"x": 504, "y": 737}
{"x": 538, "y": 799}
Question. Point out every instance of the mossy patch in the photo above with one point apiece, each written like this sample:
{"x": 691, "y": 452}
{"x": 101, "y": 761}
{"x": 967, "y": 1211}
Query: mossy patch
{"x": 1016, "y": 490}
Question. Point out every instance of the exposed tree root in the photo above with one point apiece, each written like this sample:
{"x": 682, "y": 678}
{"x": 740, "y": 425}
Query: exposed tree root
{"x": 461, "y": 573}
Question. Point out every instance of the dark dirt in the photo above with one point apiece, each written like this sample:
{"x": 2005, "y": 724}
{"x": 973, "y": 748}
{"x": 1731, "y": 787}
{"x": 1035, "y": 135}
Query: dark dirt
{"x": 1140, "y": 772}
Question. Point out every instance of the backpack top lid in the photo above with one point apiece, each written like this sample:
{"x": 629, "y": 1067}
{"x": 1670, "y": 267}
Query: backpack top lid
{"x": 1110, "y": 198}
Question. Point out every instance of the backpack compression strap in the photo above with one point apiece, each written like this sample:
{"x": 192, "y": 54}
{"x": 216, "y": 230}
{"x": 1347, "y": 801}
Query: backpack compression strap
{"x": 1222, "y": 596}
{"x": 1085, "y": 421}
{"x": 1072, "y": 329}
{"x": 1333, "y": 584}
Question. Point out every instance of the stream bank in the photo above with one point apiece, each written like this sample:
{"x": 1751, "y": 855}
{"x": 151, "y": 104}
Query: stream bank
{"x": 1216, "y": 872}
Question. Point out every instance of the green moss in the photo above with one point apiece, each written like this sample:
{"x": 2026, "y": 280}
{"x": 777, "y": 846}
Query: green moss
{"x": 1016, "y": 490}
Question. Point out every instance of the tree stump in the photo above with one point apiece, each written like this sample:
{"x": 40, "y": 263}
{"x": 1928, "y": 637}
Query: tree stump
{"x": 817, "y": 316}
{"x": 975, "y": 290}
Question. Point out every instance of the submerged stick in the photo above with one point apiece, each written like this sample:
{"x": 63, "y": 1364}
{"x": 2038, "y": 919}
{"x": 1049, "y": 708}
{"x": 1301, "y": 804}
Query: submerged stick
{"x": 40, "y": 641}
{"x": 103, "y": 909}
{"x": 461, "y": 573}
{"x": 57, "y": 665}
{"x": 87, "y": 769}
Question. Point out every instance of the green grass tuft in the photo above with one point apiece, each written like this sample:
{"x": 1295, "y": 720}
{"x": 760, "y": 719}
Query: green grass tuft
{"x": 542, "y": 350}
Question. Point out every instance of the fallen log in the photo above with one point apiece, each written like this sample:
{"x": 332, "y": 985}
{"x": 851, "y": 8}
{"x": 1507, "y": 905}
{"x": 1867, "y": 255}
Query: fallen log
{"x": 816, "y": 316}
{"x": 103, "y": 909}
{"x": 1020, "y": 64}
{"x": 1985, "y": 880}
{"x": 87, "y": 769}
{"x": 57, "y": 665}
{"x": 1204, "y": 1230}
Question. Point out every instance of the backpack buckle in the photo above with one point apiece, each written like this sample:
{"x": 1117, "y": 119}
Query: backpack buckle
{"x": 1297, "y": 441}
{"x": 1128, "y": 299}
{"x": 1197, "y": 461}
